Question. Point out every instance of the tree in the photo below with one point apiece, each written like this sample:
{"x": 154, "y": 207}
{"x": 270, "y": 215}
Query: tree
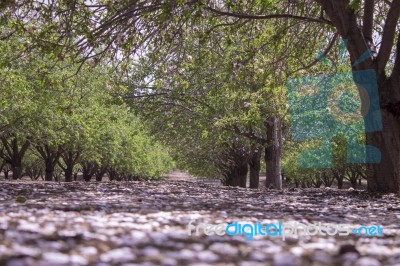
{"x": 16, "y": 110}
{"x": 383, "y": 176}
{"x": 33, "y": 165}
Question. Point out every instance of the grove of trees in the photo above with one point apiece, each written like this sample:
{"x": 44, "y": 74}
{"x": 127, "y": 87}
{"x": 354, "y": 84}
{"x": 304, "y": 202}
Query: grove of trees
{"x": 55, "y": 119}
{"x": 118, "y": 87}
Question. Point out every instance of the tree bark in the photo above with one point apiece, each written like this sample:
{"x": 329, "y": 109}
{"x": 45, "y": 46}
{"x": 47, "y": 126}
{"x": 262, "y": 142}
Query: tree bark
{"x": 16, "y": 168}
{"x": 70, "y": 158}
{"x": 317, "y": 181}
{"x": 100, "y": 173}
{"x": 88, "y": 170}
{"x": 49, "y": 169}
{"x": 236, "y": 176}
{"x": 49, "y": 172}
{"x": 112, "y": 174}
{"x": 273, "y": 153}
{"x": 5, "y": 171}
{"x": 50, "y": 158}
{"x": 339, "y": 180}
{"x": 384, "y": 176}
{"x": 327, "y": 179}
{"x": 13, "y": 153}
{"x": 339, "y": 176}
{"x": 243, "y": 170}
{"x": 354, "y": 184}
{"x": 68, "y": 174}
{"x": 254, "y": 165}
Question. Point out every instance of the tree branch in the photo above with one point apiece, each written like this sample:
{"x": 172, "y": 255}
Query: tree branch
{"x": 389, "y": 32}
{"x": 24, "y": 147}
{"x": 387, "y": 2}
{"x": 272, "y": 16}
{"x": 6, "y": 145}
{"x": 325, "y": 53}
{"x": 250, "y": 135}
{"x": 368, "y": 19}
{"x": 396, "y": 68}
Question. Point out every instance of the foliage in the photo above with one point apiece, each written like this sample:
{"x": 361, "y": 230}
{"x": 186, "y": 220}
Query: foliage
{"x": 63, "y": 108}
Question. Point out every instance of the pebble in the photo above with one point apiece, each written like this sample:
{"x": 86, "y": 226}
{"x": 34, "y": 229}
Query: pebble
{"x": 88, "y": 251}
{"x": 169, "y": 262}
{"x": 78, "y": 260}
{"x": 224, "y": 249}
{"x": 258, "y": 256}
{"x": 207, "y": 256}
{"x": 367, "y": 261}
{"x": 150, "y": 252}
{"x": 284, "y": 259}
{"x": 118, "y": 255}
{"x": 56, "y": 257}
{"x": 349, "y": 258}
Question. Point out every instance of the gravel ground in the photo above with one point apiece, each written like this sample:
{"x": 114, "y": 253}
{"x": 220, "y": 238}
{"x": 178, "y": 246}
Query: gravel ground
{"x": 145, "y": 223}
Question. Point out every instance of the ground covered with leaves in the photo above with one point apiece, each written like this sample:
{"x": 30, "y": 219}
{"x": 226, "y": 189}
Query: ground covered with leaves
{"x": 145, "y": 223}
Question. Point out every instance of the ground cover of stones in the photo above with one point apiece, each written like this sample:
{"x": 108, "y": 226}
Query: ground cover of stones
{"x": 145, "y": 223}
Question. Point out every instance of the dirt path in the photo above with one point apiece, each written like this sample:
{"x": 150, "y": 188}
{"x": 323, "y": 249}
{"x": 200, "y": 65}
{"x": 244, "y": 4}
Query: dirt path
{"x": 145, "y": 223}
{"x": 178, "y": 175}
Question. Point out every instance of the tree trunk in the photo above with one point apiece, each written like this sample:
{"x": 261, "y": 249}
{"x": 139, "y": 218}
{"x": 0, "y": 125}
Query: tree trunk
{"x": 237, "y": 175}
{"x": 70, "y": 158}
{"x": 16, "y": 168}
{"x": 339, "y": 179}
{"x": 317, "y": 181}
{"x": 327, "y": 179}
{"x": 384, "y": 176}
{"x": 49, "y": 169}
{"x": 254, "y": 166}
{"x": 88, "y": 170}
{"x": 243, "y": 170}
{"x": 112, "y": 175}
{"x": 273, "y": 153}
{"x": 68, "y": 174}
{"x": 100, "y": 173}
{"x": 353, "y": 183}
{"x": 6, "y": 173}
{"x": 50, "y": 158}
{"x": 13, "y": 153}
{"x": 49, "y": 174}
{"x": 352, "y": 176}
{"x": 339, "y": 176}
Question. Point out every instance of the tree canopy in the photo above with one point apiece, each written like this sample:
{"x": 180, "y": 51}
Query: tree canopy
{"x": 211, "y": 78}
